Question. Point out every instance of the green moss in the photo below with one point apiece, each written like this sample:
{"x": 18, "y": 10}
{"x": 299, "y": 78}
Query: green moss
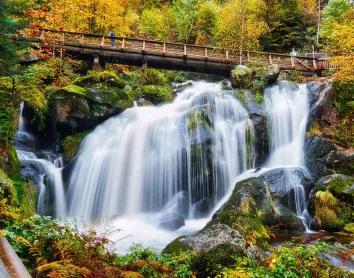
{"x": 71, "y": 145}
{"x": 209, "y": 264}
{"x": 196, "y": 119}
{"x": 7, "y": 189}
{"x": 157, "y": 94}
{"x": 27, "y": 195}
{"x": 338, "y": 185}
{"x": 72, "y": 89}
{"x": 349, "y": 228}
{"x": 176, "y": 247}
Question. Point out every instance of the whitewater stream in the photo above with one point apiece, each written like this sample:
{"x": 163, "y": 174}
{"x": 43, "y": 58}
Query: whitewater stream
{"x": 184, "y": 157}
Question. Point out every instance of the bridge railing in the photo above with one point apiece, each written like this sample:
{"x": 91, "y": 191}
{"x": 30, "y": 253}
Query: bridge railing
{"x": 178, "y": 50}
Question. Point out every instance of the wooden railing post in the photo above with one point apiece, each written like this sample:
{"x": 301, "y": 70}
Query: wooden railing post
{"x": 314, "y": 64}
{"x": 206, "y": 52}
{"x": 102, "y": 42}
{"x": 185, "y": 50}
{"x": 164, "y": 48}
{"x": 82, "y": 40}
{"x": 292, "y": 62}
{"x": 143, "y": 46}
{"x": 248, "y": 57}
{"x": 123, "y": 43}
{"x": 227, "y": 55}
{"x": 270, "y": 59}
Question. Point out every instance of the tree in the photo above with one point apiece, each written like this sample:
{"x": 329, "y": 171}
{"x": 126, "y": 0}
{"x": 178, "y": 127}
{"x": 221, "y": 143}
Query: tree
{"x": 184, "y": 20}
{"x": 207, "y": 16}
{"x": 241, "y": 24}
{"x": 10, "y": 21}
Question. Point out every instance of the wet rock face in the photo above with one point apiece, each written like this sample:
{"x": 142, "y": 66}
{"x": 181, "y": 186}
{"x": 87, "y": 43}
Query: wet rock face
{"x": 261, "y": 140}
{"x": 202, "y": 208}
{"x": 322, "y": 158}
{"x": 321, "y": 98}
{"x": 171, "y": 221}
{"x": 280, "y": 177}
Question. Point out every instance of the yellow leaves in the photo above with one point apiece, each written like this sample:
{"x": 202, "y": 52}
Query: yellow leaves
{"x": 346, "y": 71}
{"x": 241, "y": 23}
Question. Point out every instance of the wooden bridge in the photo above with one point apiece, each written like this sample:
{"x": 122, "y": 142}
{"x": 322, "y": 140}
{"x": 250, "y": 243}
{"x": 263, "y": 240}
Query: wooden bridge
{"x": 167, "y": 55}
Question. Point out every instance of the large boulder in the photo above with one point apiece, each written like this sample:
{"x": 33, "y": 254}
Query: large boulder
{"x": 87, "y": 102}
{"x": 171, "y": 221}
{"x": 332, "y": 202}
{"x": 266, "y": 200}
{"x": 282, "y": 182}
{"x": 241, "y": 76}
{"x": 323, "y": 158}
{"x": 201, "y": 208}
{"x": 216, "y": 246}
{"x": 178, "y": 204}
{"x": 271, "y": 73}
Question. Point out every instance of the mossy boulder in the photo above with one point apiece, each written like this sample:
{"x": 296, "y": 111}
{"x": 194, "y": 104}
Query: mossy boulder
{"x": 241, "y": 76}
{"x": 71, "y": 145}
{"x": 331, "y": 203}
{"x": 262, "y": 202}
{"x": 217, "y": 246}
{"x": 157, "y": 94}
{"x": 87, "y": 102}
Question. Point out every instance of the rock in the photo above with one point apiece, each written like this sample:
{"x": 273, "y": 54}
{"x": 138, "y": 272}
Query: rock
{"x": 272, "y": 73}
{"x": 241, "y": 76}
{"x": 171, "y": 221}
{"x": 33, "y": 170}
{"x": 177, "y": 87}
{"x": 316, "y": 150}
{"x": 91, "y": 100}
{"x": 178, "y": 204}
{"x": 212, "y": 237}
{"x": 226, "y": 84}
{"x": 261, "y": 139}
{"x": 214, "y": 246}
{"x": 249, "y": 101}
{"x": 202, "y": 208}
{"x": 341, "y": 161}
{"x": 332, "y": 202}
{"x": 282, "y": 182}
{"x": 321, "y": 98}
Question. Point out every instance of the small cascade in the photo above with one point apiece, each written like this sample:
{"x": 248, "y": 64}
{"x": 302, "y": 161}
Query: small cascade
{"x": 21, "y": 124}
{"x": 44, "y": 169}
{"x": 146, "y": 156}
{"x": 287, "y": 108}
{"x": 135, "y": 103}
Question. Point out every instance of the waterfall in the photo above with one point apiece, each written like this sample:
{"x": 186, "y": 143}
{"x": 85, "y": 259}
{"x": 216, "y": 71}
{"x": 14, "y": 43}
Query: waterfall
{"x": 21, "y": 124}
{"x": 138, "y": 161}
{"x": 287, "y": 108}
{"x": 46, "y": 173}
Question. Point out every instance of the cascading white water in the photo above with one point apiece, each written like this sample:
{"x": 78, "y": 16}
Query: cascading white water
{"x": 24, "y": 142}
{"x": 21, "y": 124}
{"x": 138, "y": 161}
{"x": 287, "y": 108}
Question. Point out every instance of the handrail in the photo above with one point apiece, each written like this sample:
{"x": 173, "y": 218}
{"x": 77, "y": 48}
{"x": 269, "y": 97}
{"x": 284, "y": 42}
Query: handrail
{"x": 178, "y": 44}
